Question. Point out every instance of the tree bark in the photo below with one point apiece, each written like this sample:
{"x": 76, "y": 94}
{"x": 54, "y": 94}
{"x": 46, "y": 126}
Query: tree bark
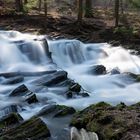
{"x": 19, "y": 5}
{"x": 117, "y": 12}
{"x": 80, "y": 11}
{"x": 88, "y": 9}
{"x": 39, "y": 5}
{"x": 45, "y": 7}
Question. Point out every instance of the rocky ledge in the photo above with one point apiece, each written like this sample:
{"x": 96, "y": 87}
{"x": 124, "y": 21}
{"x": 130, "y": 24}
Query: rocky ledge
{"x": 119, "y": 122}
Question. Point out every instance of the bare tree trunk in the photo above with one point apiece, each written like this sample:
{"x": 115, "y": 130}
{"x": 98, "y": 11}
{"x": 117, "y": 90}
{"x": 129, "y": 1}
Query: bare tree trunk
{"x": 39, "y": 5}
{"x": 19, "y": 5}
{"x": 121, "y": 6}
{"x": 25, "y": 1}
{"x": 45, "y": 7}
{"x": 80, "y": 11}
{"x": 117, "y": 12}
{"x": 88, "y": 9}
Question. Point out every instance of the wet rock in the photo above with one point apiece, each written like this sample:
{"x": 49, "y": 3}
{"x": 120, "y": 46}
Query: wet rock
{"x": 56, "y": 110}
{"x": 8, "y": 110}
{"x": 114, "y": 43}
{"x": 31, "y": 98}
{"x": 64, "y": 111}
{"x": 136, "y": 77}
{"x": 10, "y": 120}
{"x": 51, "y": 79}
{"x": 33, "y": 129}
{"x": 69, "y": 94}
{"x": 98, "y": 70}
{"x": 14, "y": 80}
{"x": 110, "y": 123}
{"x": 19, "y": 91}
{"x": 46, "y": 110}
{"x": 75, "y": 88}
{"x": 115, "y": 71}
{"x": 84, "y": 94}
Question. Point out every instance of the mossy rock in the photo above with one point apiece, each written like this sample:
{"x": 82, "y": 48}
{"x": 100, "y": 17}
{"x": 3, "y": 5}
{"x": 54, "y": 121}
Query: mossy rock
{"x": 63, "y": 110}
{"x": 109, "y": 122}
{"x": 33, "y": 129}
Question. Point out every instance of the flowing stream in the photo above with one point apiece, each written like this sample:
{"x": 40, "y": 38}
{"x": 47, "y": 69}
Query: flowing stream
{"x": 29, "y": 53}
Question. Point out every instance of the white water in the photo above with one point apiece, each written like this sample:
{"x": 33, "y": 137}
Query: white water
{"x": 25, "y": 52}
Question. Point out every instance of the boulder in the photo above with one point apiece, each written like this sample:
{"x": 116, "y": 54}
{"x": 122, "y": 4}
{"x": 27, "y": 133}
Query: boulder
{"x": 14, "y": 80}
{"x": 10, "y": 120}
{"x": 56, "y": 110}
{"x": 19, "y": 91}
{"x": 110, "y": 122}
{"x": 8, "y": 110}
{"x": 51, "y": 79}
{"x": 115, "y": 43}
{"x": 33, "y": 129}
{"x": 75, "y": 88}
{"x": 62, "y": 110}
{"x": 98, "y": 70}
{"x": 31, "y": 98}
{"x": 115, "y": 71}
{"x": 69, "y": 94}
{"x": 84, "y": 94}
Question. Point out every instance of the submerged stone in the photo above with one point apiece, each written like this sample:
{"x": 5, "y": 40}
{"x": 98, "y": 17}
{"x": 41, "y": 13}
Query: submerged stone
{"x": 11, "y": 81}
{"x": 98, "y": 70}
{"x": 19, "y": 91}
{"x": 75, "y": 88}
{"x": 33, "y": 129}
{"x": 31, "y": 98}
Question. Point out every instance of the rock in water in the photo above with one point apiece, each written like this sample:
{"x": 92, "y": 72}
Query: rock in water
{"x": 82, "y": 134}
{"x": 75, "y": 88}
{"x": 8, "y": 110}
{"x": 52, "y": 79}
{"x": 15, "y": 80}
{"x": 33, "y": 129}
{"x": 98, "y": 70}
{"x": 19, "y": 91}
{"x": 31, "y": 98}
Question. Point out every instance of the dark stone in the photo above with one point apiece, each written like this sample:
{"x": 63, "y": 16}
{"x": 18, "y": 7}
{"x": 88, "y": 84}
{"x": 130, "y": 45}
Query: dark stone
{"x": 33, "y": 129}
{"x": 46, "y": 110}
{"x": 8, "y": 110}
{"x": 14, "y": 80}
{"x": 31, "y": 98}
{"x": 69, "y": 94}
{"x": 64, "y": 111}
{"x": 98, "y": 70}
{"x": 84, "y": 94}
{"x": 75, "y": 88}
{"x": 10, "y": 119}
{"x": 52, "y": 79}
{"x": 115, "y": 71}
{"x": 115, "y": 43}
{"x": 19, "y": 91}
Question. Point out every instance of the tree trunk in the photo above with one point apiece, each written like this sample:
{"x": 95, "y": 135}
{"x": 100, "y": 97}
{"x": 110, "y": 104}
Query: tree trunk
{"x": 39, "y": 5}
{"x": 19, "y": 5}
{"x": 117, "y": 12}
{"x": 45, "y": 7}
{"x": 80, "y": 11}
{"x": 88, "y": 9}
{"x": 25, "y": 1}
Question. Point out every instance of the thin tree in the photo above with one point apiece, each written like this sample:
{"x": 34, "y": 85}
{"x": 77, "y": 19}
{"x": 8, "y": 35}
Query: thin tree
{"x": 19, "y": 5}
{"x": 39, "y": 5}
{"x": 88, "y": 9}
{"x": 45, "y": 7}
{"x": 117, "y": 12}
{"x": 80, "y": 11}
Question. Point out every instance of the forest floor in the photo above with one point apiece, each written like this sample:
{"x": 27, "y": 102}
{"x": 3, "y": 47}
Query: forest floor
{"x": 94, "y": 30}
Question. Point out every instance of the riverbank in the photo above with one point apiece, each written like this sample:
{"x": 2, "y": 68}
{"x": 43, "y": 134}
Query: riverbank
{"x": 90, "y": 30}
